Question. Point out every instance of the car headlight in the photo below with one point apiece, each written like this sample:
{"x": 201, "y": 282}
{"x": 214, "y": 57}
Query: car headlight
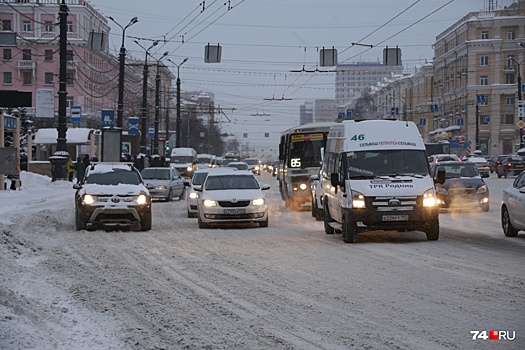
{"x": 209, "y": 203}
{"x": 482, "y": 189}
{"x": 258, "y": 201}
{"x": 358, "y": 200}
{"x": 89, "y": 199}
{"x": 256, "y": 167}
{"x": 303, "y": 186}
{"x": 161, "y": 187}
{"x": 429, "y": 198}
{"x": 189, "y": 168}
{"x": 194, "y": 195}
{"x": 142, "y": 199}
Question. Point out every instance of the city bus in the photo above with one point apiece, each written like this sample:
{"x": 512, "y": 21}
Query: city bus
{"x": 300, "y": 156}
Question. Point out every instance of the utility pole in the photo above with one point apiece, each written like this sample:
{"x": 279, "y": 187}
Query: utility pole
{"x": 157, "y": 106}
{"x": 60, "y": 158}
{"x": 178, "y": 121}
{"x": 477, "y": 122}
{"x": 519, "y": 99}
{"x": 144, "y": 114}
{"x": 167, "y": 137}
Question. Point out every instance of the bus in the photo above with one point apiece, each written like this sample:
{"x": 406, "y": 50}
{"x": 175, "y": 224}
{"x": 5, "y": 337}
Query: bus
{"x": 300, "y": 156}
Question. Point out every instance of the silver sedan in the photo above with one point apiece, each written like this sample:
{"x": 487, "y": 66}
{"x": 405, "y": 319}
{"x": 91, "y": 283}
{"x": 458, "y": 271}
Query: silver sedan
{"x": 513, "y": 207}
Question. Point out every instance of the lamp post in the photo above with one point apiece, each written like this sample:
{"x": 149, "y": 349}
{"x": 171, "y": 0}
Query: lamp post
{"x": 519, "y": 96}
{"x": 157, "y": 105}
{"x": 177, "y": 141}
{"x": 122, "y": 57}
{"x": 144, "y": 115}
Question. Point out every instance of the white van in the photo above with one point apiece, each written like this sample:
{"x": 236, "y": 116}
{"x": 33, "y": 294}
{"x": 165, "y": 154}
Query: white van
{"x": 375, "y": 176}
{"x": 184, "y": 160}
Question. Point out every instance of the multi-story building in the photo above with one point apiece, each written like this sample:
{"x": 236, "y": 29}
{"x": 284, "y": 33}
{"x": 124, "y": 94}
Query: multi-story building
{"x": 319, "y": 110}
{"x": 33, "y": 62}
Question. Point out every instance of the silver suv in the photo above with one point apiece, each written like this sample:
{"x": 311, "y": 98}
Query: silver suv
{"x": 112, "y": 195}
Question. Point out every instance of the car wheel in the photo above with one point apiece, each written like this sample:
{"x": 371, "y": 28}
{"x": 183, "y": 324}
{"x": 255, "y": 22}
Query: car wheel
{"x": 485, "y": 207}
{"x": 190, "y": 215}
{"x": 183, "y": 194}
{"x": 201, "y": 224}
{"x": 314, "y": 206}
{"x": 432, "y": 231}
{"x": 80, "y": 220}
{"x": 146, "y": 221}
{"x": 264, "y": 223}
{"x": 329, "y": 230}
{"x": 508, "y": 229}
{"x": 169, "y": 197}
{"x": 349, "y": 229}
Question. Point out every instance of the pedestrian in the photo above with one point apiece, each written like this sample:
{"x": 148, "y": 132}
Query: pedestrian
{"x": 80, "y": 168}
{"x": 70, "y": 169}
{"x": 86, "y": 161}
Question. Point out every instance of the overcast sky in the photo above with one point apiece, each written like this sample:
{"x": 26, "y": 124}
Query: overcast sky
{"x": 263, "y": 40}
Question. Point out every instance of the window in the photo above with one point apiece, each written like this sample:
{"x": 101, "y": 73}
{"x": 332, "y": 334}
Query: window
{"x": 26, "y": 26}
{"x": 484, "y": 80}
{"x": 70, "y": 78}
{"x": 6, "y": 24}
{"x": 511, "y": 34}
{"x": 69, "y": 55}
{"x": 483, "y": 100}
{"x": 8, "y": 78}
{"x": 484, "y": 34}
{"x": 484, "y": 61}
{"x": 509, "y": 78}
{"x": 69, "y": 102}
{"x": 26, "y": 54}
{"x": 69, "y": 27}
{"x": 27, "y": 78}
{"x": 508, "y": 119}
{"x": 510, "y": 100}
{"x": 48, "y": 55}
{"x": 7, "y": 54}
{"x": 48, "y": 78}
{"x": 510, "y": 62}
{"x": 485, "y": 119}
{"x": 48, "y": 26}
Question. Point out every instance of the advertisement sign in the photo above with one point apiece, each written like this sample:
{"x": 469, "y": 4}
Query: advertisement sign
{"x": 45, "y": 103}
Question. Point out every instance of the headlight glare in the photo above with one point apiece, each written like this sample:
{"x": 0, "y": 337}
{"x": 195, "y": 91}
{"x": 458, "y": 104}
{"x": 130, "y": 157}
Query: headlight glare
{"x": 189, "y": 168}
{"x": 303, "y": 186}
{"x": 258, "y": 201}
{"x": 89, "y": 199}
{"x": 358, "y": 200}
{"x": 429, "y": 199}
{"x": 194, "y": 195}
{"x": 161, "y": 187}
{"x": 209, "y": 203}
{"x": 142, "y": 199}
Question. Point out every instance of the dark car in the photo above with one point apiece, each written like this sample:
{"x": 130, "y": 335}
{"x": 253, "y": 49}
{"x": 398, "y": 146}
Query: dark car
{"x": 112, "y": 195}
{"x": 495, "y": 161}
{"x": 511, "y": 165}
{"x": 463, "y": 186}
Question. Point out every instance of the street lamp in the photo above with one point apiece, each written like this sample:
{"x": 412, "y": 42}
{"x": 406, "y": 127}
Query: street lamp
{"x": 177, "y": 141}
{"x": 144, "y": 115}
{"x": 157, "y": 105}
{"x": 519, "y": 95}
{"x": 122, "y": 56}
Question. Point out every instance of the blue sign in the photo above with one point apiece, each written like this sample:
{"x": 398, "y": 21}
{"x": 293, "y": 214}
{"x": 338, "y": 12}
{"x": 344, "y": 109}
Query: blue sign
{"x": 422, "y": 121}
{"x": 349, "y": 112}
{"x": 9, "y": 122}
{"x": 76, "y": 114}
{"x": 394, "y": 111}
{"x": 151, "y": 131}
{"x": 454, "y": 144}
{"x": 108, "y": 118}
{"x": 340, "y": 116}
{"x": 133, "y": 126}
{"x": 461, "y": 122}
{"x": 482, "y": 99}
{"x": 434, "y": 108}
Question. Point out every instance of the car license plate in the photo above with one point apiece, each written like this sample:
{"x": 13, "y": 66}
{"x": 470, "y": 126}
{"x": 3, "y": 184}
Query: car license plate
{"x": 395, "y": 217}
{"x": 234, "y": 211}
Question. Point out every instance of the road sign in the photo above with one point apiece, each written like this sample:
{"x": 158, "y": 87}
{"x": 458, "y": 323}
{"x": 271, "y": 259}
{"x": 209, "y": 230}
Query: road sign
{"x": 76, "y": 114}
{"x": 521, "y": 124}
{"x": 521, "y": 103}
{"x": 521, "y": 112}
{"x": 133, "y": 125}
{"x": 151, "y": 131}
{"x": 108, "y": 118}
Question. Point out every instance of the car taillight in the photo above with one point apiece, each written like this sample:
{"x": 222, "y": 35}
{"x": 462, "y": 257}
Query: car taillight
{"x": 509, "y": 165}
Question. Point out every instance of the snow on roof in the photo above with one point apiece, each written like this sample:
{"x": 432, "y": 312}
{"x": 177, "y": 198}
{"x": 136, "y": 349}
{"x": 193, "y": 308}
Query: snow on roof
{"x": 73, "y": 135}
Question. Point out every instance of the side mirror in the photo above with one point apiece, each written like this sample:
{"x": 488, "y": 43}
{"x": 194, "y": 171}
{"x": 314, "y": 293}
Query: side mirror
{"x": 265, "y": 187}
{"x": 197, "y": 188}
{"x": 149, "y": 186}
{"x": 77, "y": 186}
{"x": 334, "y": 179}
{"x": 440, "y": 179}
{"x": 187, "y": 183}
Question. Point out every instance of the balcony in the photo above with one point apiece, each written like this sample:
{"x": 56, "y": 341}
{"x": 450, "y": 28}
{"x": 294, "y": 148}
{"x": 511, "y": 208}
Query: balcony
{"x": 72, "y": 65}
{"x": 26, "y": 64}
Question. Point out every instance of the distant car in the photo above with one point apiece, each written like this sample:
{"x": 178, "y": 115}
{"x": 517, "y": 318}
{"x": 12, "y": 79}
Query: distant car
{"x": 227, "y": 161}
{"x": 445, "y": 157}
{"x": 482, "y": 165}
{"x": 317, "y": 206}
{"x": 495, "y": 161}
{"x": 463, "y": 186}
{"x": 253, "y": 165}
{"x": 166, "y": 181}
{"x": 511, "y": 165}
{"x": 112, "y": 195}
{"x": 232, "y": 197}
{"x": 238, "y": 165}
{"x": 513, "y": 207}
{"x": 197, "y": 180}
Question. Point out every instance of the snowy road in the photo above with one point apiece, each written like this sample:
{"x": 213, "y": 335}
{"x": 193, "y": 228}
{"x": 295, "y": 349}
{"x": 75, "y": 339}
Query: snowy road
{"x": 288, "y": 286}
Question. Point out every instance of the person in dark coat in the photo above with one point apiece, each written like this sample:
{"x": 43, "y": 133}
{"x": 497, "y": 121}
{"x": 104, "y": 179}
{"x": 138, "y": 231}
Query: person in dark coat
{"x": 86, "y": 161}
{"x": 80, "y": 168}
